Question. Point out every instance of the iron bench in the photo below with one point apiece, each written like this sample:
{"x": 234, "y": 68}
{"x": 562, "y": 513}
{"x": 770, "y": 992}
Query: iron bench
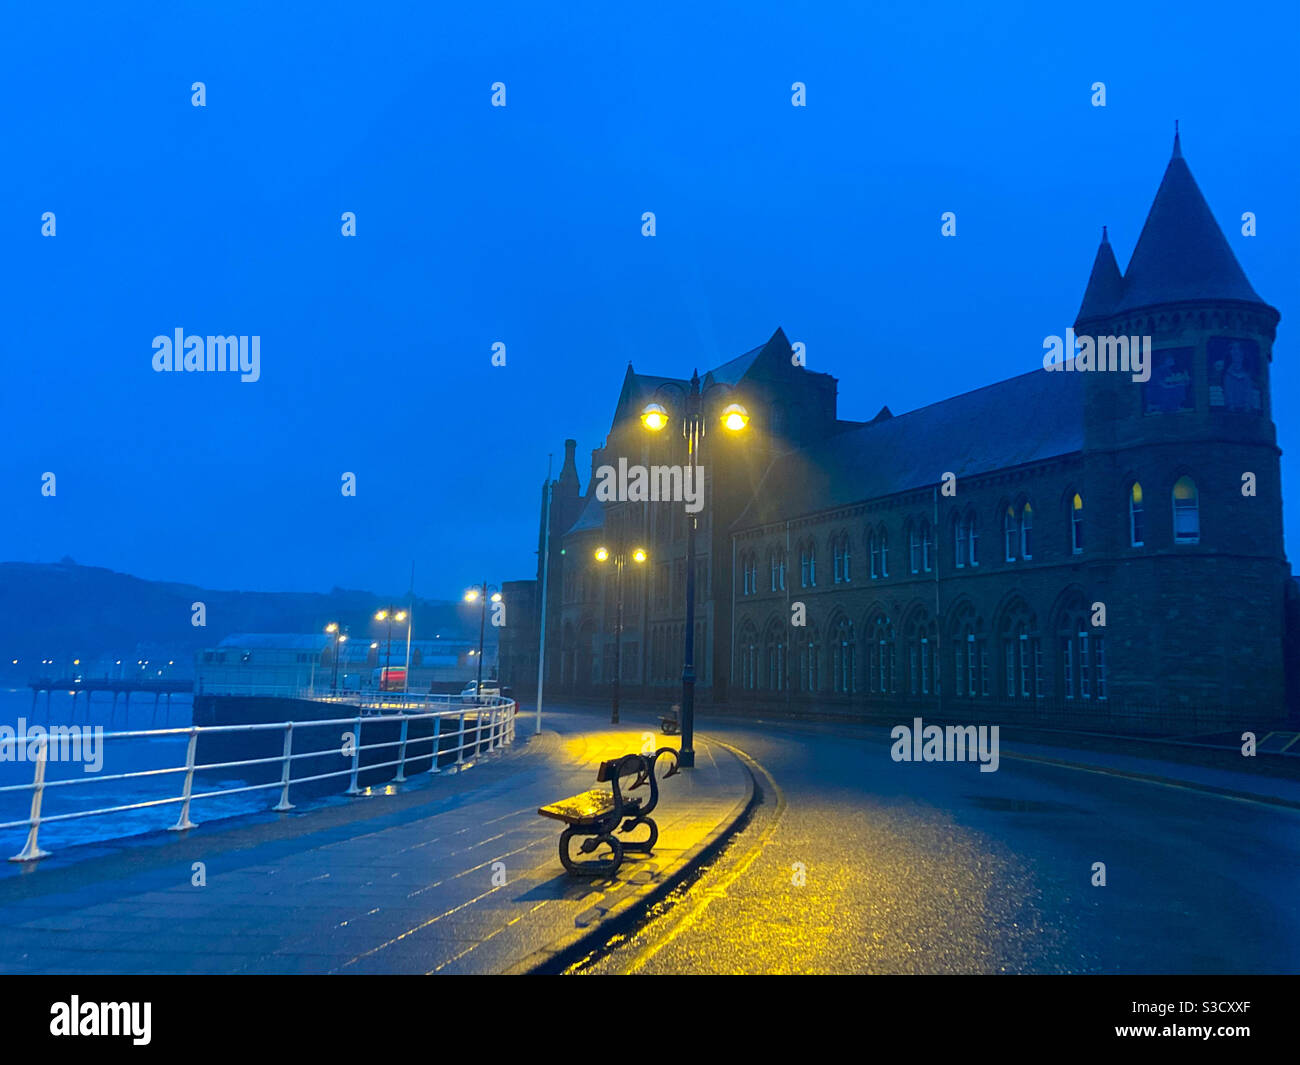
{"x": 595, "y": 815}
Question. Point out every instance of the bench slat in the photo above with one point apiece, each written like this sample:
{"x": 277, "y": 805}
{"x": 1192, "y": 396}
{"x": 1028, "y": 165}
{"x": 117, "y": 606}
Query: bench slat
{"x": 582, "y": 809}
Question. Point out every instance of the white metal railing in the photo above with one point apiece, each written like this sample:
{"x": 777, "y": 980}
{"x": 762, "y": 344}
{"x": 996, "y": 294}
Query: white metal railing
{"x": 493, "y": 724}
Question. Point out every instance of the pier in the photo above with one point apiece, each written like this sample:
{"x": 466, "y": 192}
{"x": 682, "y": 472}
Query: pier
{"x": 158, "y": 687}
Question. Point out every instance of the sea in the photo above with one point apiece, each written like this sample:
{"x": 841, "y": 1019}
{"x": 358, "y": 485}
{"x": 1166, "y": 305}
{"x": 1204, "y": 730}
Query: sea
{"x": 126, "y": 755}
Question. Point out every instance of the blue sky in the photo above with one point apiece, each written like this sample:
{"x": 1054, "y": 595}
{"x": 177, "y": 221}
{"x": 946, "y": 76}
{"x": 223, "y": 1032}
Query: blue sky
{"x": 522, "y": 225}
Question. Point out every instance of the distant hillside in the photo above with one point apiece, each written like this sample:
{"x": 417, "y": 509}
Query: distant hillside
{"x": 65, "y": 611}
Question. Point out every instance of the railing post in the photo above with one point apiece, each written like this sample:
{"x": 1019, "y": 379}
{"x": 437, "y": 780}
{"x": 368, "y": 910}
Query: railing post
{"x": 31, "y": 849}
{"x": 183, "y": 822}
{"x": 285, "y": 804}
{"x": 437, "y": 737}
{"x": 356, "y": 756}
{"x": 478, "y": 731}
{"x": 460, "y": 742}
{"x": 401, "y": 753}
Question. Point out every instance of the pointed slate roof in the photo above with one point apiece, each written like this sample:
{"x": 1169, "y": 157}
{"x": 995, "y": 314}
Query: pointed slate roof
{"x": 592, "y": 516}
{"x": 1105, "y": 285}
{"x": 1182, "y": 254}
{"x": 731, "y": 372}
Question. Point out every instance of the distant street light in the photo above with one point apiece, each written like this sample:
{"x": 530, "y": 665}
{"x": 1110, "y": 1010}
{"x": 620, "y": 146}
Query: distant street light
{"x": 340, "y": 634}
{"x": 481, "y": 596}
{"x": 620, "y": 556}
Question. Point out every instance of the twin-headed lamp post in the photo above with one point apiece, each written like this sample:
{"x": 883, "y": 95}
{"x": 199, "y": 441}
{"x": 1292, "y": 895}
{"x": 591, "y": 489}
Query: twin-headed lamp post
{"x": 619, "y": 557}
{"x": 482, "y": 594}
{"x": 390, "y": 614}
{"x": 655, "y": 417}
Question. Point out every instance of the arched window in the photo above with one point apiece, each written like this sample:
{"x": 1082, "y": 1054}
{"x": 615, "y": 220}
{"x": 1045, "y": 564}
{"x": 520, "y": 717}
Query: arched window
{"x": 776, "y": 562}
{"x": 748, "y": 657}
{"x": 1022, "y": 653}
{"x": 1187, "y": 515}
{"x": 1010, "y": 533}
{"x": 1076, "y": 525}
{"x": 873, "y": 550}
{"x": 840, "y": 554}
{"x": 913, "y": 548}
{"x": 843, "y": 646}
{"x": 774, "y": 656}
{"x": 1136, "y": 524}
{"x": 807, "y": 565}
{"x": 884, "y": 552}
{"x": 880, "y": 656}
{"x": 973, "y": 536}
{"x": 1081, "y": 666}
{"x": 960, "y": 544}
{"x": 922, "y": 662}
{"x": 969, "y": 655}
{"x": 927, "y": 547}
{"x": 1026, "y": 531}
{"x": 809, "y": 660}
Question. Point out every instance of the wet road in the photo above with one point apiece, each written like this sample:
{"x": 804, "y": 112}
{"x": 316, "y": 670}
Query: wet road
{"x": 856, "y": 864}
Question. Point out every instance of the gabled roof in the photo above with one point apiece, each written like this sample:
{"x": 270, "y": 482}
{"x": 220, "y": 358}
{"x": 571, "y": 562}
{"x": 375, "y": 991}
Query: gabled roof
{"x": 639, "y": 388}
{"x": 1182, "y": 253}
{"x": 1036, "y": 416}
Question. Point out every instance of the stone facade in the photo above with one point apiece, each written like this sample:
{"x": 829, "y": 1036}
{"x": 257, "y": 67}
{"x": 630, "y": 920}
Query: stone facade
{"x": 1065, "y": 540}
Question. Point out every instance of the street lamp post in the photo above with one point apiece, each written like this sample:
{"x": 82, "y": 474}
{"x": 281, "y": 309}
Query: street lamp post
{"x": 340, "y": 634}
{"x": 655, "y": 417}
{"x": 482, "y": 594}
{"x": 389, "y": 614}
{"x": 619, "y": 558}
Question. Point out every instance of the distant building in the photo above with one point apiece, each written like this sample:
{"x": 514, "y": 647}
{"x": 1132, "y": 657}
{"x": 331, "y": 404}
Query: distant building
{"x": 1073, "y": 495}
{"x": 519, "y": 638}
{"x": 291, "y": 662}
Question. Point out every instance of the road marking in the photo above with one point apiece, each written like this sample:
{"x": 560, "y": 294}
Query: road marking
{"x": 1163, "y": 782}
{"x": 718, "y": 890}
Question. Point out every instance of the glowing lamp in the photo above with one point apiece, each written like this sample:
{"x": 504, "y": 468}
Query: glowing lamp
{"x": 654, "y": 417}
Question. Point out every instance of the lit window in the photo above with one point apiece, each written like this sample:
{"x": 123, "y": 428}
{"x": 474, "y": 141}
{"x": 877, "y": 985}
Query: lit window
{"x": 1187, "y": 517}
{"x": 1076, "y": 525}
{"x": 1136, "y": 525}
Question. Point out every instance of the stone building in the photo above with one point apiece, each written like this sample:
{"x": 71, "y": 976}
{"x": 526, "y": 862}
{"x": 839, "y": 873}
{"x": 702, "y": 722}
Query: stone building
{"x": 1069, "y": 539}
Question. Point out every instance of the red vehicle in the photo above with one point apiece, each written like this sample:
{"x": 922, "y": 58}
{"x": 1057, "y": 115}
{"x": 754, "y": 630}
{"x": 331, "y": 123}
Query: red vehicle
{"x": 390, "y": 678}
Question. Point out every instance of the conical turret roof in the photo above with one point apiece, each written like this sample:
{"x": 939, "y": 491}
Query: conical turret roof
{"x": 1105, "y": 285}
{"x": 1182, "y": 253}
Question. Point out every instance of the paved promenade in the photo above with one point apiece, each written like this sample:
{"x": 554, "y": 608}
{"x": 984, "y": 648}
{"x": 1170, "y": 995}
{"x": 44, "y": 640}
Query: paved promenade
{"x": 453, "y": 874}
